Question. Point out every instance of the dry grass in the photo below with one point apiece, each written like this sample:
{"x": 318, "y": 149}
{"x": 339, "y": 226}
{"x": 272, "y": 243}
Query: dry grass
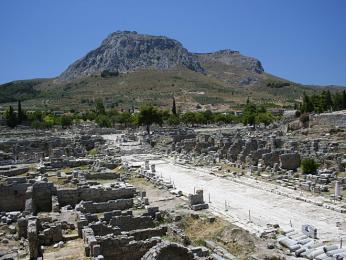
{"x": 237, "y": 241}
{"x": 140, "y": 182}
{"x": 72, "y": 250}
{"x": 61, "y": 182}
{"x": 200, "y": 229}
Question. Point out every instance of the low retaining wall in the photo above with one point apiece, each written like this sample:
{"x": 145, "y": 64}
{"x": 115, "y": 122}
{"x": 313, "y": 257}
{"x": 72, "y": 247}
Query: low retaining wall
{"x": 97, "y": 207}
{"x": 74, "y": 196}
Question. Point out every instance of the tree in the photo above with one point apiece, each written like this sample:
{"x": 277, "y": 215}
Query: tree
{"x": 11, "y": 118}
{"x": 249, "y": 114}
{"x": 323, "y": 101}
{"x": 113, "y": 115}
{"x": 309, "y": 166}
{"x": 219, "y": 118}
{"x": 125, "y": 118}
{"x": 189, "y": 118}
{"x": 100, "y": 108}
{"x": 208, "y": 115}
{"x": 48, "y": 121}
{"x": 326, "y": 100}
{"x": 165, "y": 114}
{"x": 338, "y": 101}
{"x": 21, "y": 113}
{"x": 66, "y": 121}
{"x": 174, "y": 108}
{"x": 149, "y": 115}
{"x": 265, "y": 118}
{"x": 200, "y": 118}
{"x": 103, "y": 121}
{"x": 173, "y": 120}
{"x": 307, "y": 105}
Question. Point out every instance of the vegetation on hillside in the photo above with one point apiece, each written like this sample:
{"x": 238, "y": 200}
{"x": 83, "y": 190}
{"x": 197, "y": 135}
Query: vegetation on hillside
{"x": 253, "y": 115}
{"x": 217, "y": 90}
{"x": 146, "y": 116}
{"x": 323, "y": 101}
{"x": 276, "y": 83}
{"x": 19, "y": 90}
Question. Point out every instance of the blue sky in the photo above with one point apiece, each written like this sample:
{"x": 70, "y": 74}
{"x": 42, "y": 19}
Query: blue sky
{"x": 301, "y": 40}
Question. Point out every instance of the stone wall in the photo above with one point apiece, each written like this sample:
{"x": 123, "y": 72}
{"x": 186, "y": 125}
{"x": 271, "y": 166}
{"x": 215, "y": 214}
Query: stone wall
{"x": 336, "y": 119}
{"x": 143, "y": 234}
{"x": 115, "y": 247}
{"x": 127, "y": 223}
{"x": 13, "y": 196}
{"x": 104, "y": 175}
{"x": 97, "y": 207}
{"x": 68, "y": 196}
{"x": 123, "y": 247}
{"x": 166, "y": 250}
{"x": 289, "y": 161}
{"x": 51, "y": 235}
{"x": 42, "y": 196}
{"x": 101, "y": 229}
{"x": 10, "y": 171}
{"x": 196, "y": 198}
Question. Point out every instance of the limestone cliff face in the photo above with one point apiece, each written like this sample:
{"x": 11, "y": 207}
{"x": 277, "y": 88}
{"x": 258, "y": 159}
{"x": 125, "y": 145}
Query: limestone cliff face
{"x": 129, "y": 51}
{"x": 233, "y": 58}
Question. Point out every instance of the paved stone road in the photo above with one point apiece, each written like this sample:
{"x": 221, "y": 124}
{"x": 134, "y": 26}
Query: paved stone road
{"x": 265, "y": 207}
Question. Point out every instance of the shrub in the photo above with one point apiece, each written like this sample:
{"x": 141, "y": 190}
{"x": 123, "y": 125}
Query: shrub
{"x": 93, "y": 152}
{"x": 11, "y": 118}
{"x": 298, "y": 113}
{"x": 108, "y": 74}
{"x": 304, "y": 119}
{"x": 104, "y": 121}
{"x": 309, "y": 166}
{"x": 48, "y": 121}
{"x": 66, "y": 121}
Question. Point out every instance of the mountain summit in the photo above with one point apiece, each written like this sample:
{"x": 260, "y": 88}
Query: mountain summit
{"x": 130, "y": 51}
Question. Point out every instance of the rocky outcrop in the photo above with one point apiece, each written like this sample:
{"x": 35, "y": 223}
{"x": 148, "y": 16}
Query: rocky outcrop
{"x": 129, "y": 51}
{"x": 233, "y": 58}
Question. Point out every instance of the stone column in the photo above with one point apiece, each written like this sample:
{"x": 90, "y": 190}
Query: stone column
{"x": 34, "y": 246}
{"x": 337, "y": 189}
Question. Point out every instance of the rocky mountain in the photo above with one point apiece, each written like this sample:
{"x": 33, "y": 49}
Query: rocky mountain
{"x": 129, "y": 69}
{"x": 130, "y": 51}
{"x": 233, "y": 58}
